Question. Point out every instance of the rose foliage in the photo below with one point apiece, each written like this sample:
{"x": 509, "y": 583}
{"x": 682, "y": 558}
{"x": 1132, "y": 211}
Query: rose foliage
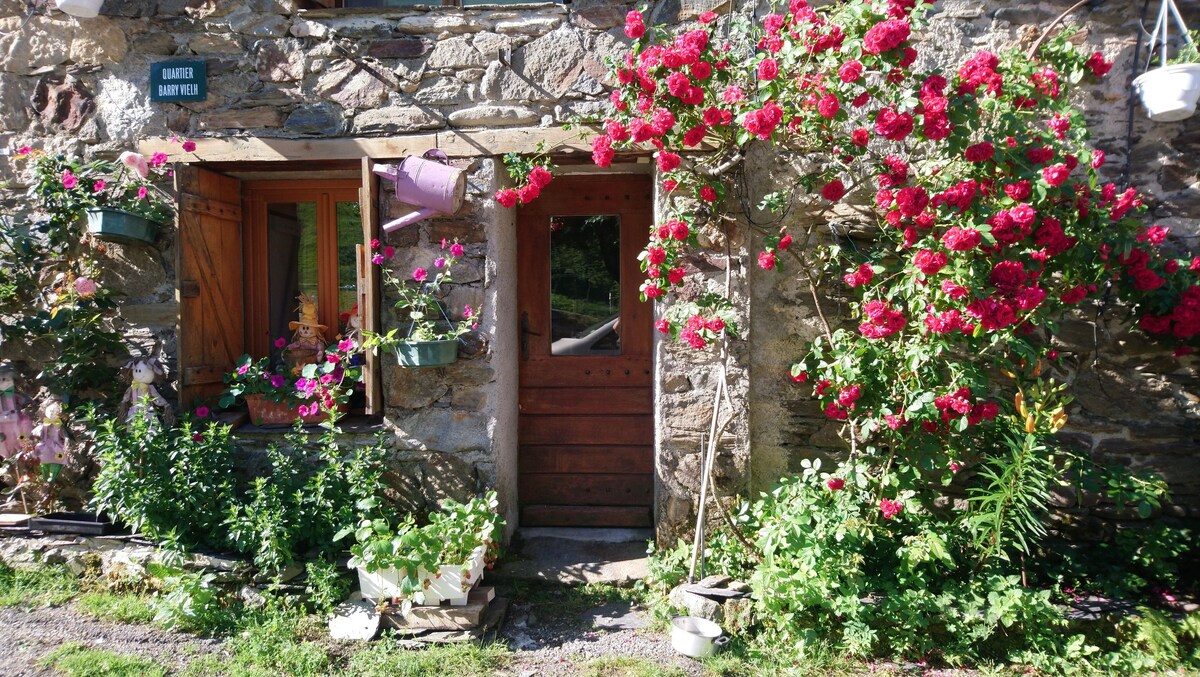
{"x": 993, "y": 223}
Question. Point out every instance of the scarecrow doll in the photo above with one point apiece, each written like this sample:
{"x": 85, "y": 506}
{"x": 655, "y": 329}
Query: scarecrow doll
{"x": 308, "y": 341}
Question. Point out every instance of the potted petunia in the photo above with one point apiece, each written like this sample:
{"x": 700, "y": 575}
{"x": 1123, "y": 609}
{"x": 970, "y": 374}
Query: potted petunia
{"x": 431, "y": 339}
{"x": 309, "y": 393}
{"x": 431, "y": 563}
{"x": 1169, "y": 93}
{"x": 118, "y": 197}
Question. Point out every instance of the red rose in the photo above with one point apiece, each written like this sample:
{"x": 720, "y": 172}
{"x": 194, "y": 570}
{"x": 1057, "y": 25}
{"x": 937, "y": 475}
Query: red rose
{"x": 893, "y": 125}
{"x": 890, "y": 508}
{"x": 1099, "y": 65}
{"x": 539, "y": 177}
{"x": 850, "y": 71}
{"x": 962, "y": 239}
{"x": 828, "y": 106}
{"x": 768, "y": 69}
{"x": 980, "y": 152}
{"x": 834, "y": 190}
{"x": 886, "y": 35}
{"x": 634, "y": 28}
{"x": 860, "y": 137}
{"x": 667, "y": 160}
{"x": 708, "y": 194}
{"x": 930, "y": 262}
{"x": 507, "y": 198}
{"x": 1056, "y": 175}
{"x": 766, "y": 260}
{"x": 835, "y": 483}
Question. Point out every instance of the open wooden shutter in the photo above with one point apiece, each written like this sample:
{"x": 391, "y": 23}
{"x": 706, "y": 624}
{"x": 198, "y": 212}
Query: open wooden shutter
{"x": 209, "y": 273}
{"x": 368, "y": 283}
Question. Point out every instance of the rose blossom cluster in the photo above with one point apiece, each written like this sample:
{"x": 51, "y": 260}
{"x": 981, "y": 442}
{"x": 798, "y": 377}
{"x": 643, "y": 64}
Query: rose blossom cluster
{"x": 538, "y": 178}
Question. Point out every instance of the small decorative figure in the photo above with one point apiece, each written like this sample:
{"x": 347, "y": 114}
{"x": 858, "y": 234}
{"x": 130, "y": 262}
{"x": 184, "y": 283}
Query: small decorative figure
{"x": 308, "y": 342}
{"x": 142, "y": 399}
{"x": 52, "y": 441}
{"x": 16, "y": 429}
{"x": 352, "y": 321}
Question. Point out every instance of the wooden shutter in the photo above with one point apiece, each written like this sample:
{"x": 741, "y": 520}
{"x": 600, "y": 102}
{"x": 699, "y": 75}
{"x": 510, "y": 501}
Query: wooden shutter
{"x": 209, "y": 273}
{"x": 368, "y": 283}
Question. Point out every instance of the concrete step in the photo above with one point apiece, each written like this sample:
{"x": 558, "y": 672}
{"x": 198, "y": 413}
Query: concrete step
{"x": 576, "y": 556}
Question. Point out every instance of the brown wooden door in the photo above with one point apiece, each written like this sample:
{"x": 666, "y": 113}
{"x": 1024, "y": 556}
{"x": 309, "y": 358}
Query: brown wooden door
{"x": 586, "y": 428}
{"x": 209, "y": 269}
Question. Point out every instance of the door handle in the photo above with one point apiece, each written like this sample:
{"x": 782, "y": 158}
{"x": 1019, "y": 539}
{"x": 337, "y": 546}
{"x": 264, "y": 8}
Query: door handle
{"x": 525, "y": 334}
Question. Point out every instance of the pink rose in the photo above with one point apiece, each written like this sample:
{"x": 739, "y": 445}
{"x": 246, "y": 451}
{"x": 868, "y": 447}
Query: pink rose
{"x": 136, "y": 162}
{"x": 85, "y": 287}
{"x": 420, "y": 274}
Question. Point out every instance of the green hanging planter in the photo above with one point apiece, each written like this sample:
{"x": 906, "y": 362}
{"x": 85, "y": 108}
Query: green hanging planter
{"x": 427, "y": 353}
{"x": 117, "y": 225}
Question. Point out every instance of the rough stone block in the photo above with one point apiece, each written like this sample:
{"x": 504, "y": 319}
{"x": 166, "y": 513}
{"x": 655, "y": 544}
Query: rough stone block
{"x": 487, "y": 115}
{"x": 319, "y": 119}
{"x": 250, "y": 118}
{"x": 63, "y": 101}
{"x": 455, "y": 53}
{"x": 359, "y": 86}
{"x": 397, "y": 119}
{"x": 398, "y": 48}
{"x": 279, "y": 61}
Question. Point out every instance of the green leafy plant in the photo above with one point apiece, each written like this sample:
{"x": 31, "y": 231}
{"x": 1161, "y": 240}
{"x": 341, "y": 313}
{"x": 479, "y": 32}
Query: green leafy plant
{"x": 419, "y": 300}
{"x": 450, "y": 536}
{"x": 127, "y": 183}
{"x": 190, "y": 601}
{"x": 313, "y": 386}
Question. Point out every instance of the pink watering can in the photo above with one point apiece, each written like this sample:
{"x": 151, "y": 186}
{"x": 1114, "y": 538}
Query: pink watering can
{"x": 427, "y": 182}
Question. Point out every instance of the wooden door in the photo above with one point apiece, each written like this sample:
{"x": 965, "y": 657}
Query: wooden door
{"x": 586, "y": 427}
{"x": 209, "y": 291}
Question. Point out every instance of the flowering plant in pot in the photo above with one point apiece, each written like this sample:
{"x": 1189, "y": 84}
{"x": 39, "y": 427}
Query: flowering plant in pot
{"x": 441, "y": 560}
{"x": 280, "y": 396}
{"x": 432, "y": 338}
{"x": 119, "y": 197}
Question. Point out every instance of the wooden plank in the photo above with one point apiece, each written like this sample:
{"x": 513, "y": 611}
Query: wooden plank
{"x": 586, "y": 516}
{"x": 583, "y": 372}
{"x": 524, "y": 140}
{"x": 578, "y": 459}
{"x": 202, "y": 374}
{"x": 369, "y": 295}
{"x": 581, "y": 400}
{"x": 587, "y": 488}
{"x": 444, "y": 617}
{"x": 594, "y": 430}
{"x": 229, "y": 211}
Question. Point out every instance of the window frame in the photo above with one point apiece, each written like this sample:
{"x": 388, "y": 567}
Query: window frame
{"x": 256, "y": 196}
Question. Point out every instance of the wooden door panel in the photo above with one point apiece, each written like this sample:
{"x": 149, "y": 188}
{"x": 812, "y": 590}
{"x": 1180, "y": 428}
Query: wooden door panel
{"x": 588, "y": 488}
{"x": 617, "y": 400}
{"x": 580, "y": 459}
{"x": 586, "y": 430}
{"x": 586, "y": 426}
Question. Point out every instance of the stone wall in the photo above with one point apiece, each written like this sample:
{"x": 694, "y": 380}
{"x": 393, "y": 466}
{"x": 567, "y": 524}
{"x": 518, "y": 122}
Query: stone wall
{"x": 80, "y": 86}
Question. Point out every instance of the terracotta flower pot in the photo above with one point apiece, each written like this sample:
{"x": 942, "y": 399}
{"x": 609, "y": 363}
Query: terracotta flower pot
{"x": 267, "y": 413}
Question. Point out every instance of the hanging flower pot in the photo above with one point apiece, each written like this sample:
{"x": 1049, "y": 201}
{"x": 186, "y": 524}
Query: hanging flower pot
{"x": 84, "y": 9}
{"x": 116, "y": 225}
{"x": 1169, "y": 94}
{"x": 427, "y": 353}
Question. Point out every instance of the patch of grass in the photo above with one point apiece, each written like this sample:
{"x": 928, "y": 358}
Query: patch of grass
{"x": 624, "y": 666}
{"x": 268, "y": 642}
{"x": 44, "y": 586}
{"x": 122, "y": 608}
{"x": 386, "y": 658}
{"x": 78, "y": 660}
{"x": 566, "y": 600}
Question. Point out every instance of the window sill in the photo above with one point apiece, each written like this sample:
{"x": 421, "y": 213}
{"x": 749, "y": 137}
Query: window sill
{"x": 354, "y": 424}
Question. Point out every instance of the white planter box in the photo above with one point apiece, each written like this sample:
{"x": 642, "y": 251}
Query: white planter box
{"x": 452, "y": 582}
{"x": 1170, "y": 93}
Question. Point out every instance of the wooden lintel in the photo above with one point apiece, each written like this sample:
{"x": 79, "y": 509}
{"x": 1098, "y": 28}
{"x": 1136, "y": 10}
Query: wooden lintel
{"x": 486, "y": 142}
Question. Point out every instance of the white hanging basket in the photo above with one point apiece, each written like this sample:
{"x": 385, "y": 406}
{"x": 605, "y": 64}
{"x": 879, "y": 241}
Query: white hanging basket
{"x": 1169, "y": 94}
{"x": 84, "y": 9}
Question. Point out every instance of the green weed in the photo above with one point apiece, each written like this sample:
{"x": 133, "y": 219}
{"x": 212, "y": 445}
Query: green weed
{"x": 624, "y": 666}
{"x": 44, "y": 586}
{"x": 122, "y": 608}
{"x": 77, "y": 660}
{"x": 386, "y": 658}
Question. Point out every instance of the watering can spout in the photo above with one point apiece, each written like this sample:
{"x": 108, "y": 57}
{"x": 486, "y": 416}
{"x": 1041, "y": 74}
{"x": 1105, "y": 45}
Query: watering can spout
{"x": 407, "y": 219}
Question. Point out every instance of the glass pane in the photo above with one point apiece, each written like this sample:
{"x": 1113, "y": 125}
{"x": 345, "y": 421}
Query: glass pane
{"x": 291, "y": 261}
{"x": 585, "y": 285}
{"x": 349, "y": 235}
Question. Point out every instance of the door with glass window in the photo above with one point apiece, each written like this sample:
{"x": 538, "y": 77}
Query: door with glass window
{"x": 586, "y": 427}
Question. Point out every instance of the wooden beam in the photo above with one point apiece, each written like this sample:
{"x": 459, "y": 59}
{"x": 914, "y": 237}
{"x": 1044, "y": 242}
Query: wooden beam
{"x": 475, "y": 143}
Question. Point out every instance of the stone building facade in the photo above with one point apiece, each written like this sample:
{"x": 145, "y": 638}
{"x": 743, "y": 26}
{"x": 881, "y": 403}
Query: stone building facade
{"x": 307, "y": 93}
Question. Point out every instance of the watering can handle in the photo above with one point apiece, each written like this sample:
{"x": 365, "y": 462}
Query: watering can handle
{"x": 437, "y": 155}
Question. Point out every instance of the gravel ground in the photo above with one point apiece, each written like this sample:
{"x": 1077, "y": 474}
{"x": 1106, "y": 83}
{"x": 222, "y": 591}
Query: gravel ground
{"x": 549, "y": 643}
{"x": 547, "y": 638}
{"x": 27, "y": 635}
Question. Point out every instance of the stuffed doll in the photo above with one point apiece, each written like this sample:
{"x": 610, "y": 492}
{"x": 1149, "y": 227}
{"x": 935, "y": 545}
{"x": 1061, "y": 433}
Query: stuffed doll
{"x": 52, "y": 441}
{"x": 16, "y": 429}
{"x": 308, "y": 342}
{"x": 142, "y": 399}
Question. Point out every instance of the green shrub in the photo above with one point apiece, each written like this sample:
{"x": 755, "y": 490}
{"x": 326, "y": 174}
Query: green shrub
{"x": 77, "y": 660}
